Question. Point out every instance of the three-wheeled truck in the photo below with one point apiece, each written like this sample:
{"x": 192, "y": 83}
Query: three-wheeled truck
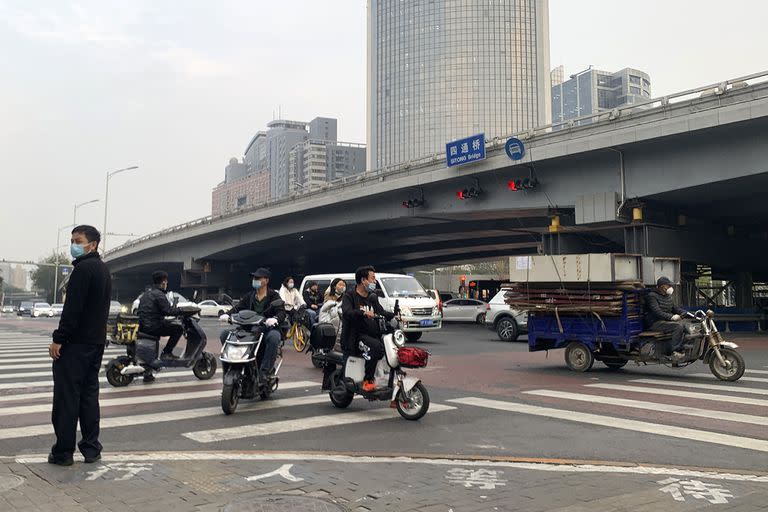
{"x": 604, "y": 322}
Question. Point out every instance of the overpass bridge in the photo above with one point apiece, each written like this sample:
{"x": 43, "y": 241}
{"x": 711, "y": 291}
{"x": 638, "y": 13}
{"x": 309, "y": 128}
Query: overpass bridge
{"x": 684, "y": 175}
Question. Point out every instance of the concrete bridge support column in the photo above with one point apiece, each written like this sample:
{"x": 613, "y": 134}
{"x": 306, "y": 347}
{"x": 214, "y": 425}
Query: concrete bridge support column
{"x": 743, "y": 288}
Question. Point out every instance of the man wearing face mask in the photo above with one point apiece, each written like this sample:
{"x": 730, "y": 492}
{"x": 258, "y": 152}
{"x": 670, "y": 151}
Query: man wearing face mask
{"x": 259, "y": 300}
{"x": 359, "y": 306}
{"x": 663, "y": 315}
{"x": 154, "y": 306}
{"x": 77, "y": 350}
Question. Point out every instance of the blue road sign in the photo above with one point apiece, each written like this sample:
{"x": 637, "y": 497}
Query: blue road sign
{"x": 465, "y": 151}
{"x": 64, "y": 271}
{"x": 515, "y": 149}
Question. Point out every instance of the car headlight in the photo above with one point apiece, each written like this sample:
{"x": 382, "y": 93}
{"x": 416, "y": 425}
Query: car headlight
{"x": 235, "y": 352}
{"x": 399, "y": 338}
{"x": 435, "y": 311}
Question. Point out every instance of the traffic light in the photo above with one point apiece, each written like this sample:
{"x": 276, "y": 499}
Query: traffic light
{"x": 468, "y": 193}
{"x": 413, "y": 203}
{"x": 522, "y": 184}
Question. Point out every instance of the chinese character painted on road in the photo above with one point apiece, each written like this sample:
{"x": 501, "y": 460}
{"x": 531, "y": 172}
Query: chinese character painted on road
{"x": 283, "y": 471}
{"x": 454, "y": 150}
{"x": 476, "y": 144}
{"x": 465, "y": 147}
{"x": 480, "y": 478}
{"x": 679, "y": 489}
{"x": 130, "y": 470}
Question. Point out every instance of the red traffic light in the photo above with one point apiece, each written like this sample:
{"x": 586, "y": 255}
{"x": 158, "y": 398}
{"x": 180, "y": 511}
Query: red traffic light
{"x": 512, "y": 185}
{"x": 461, "y": 194}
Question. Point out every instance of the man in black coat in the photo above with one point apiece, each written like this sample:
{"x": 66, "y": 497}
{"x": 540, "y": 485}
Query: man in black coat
{"x": 663, "y": 315}
{"x": 77, "y": 350}
{"x": 154, "y": 307}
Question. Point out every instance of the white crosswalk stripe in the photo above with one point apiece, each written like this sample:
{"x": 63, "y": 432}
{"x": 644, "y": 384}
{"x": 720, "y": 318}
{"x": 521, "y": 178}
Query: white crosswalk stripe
{"x": 704, "y": 436}
{"x": 746, "y": 378}
{"x": 682, "y": 394}
{"x": 697, "y": 385}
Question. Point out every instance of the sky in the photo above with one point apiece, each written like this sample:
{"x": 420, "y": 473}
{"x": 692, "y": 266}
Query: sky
{"x": 178, "y": 87}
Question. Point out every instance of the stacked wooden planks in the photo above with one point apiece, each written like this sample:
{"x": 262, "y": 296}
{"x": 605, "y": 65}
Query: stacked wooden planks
{"x": 605, "y": 299}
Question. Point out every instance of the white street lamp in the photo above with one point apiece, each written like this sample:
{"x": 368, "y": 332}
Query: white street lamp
{"x": 106, "y": 204}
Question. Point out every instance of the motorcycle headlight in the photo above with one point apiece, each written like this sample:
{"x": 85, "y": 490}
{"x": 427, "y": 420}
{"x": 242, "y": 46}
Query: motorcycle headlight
{"x": 399, "y": 338}
{"x": 235, "y": 352}
{"x": 123, "y": 309}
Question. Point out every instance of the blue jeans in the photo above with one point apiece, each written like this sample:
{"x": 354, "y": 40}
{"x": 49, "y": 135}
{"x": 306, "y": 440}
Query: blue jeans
{"x": 270, "y": 344}
{"x": 312, "y": 316}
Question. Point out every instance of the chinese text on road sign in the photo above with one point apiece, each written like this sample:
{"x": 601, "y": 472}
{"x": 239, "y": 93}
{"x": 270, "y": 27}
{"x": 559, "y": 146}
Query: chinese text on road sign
{"x": 465, "y": 151}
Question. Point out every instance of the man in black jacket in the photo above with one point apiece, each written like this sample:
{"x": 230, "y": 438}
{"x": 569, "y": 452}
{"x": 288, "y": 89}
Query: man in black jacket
{"x": 359, "y": 306}
{"x": 153, "y": 308}
{"x": 259, "y": 301}
{"x": 663, "y": 315}
{"x": 77, "y": 350}
{"x": 314, "y": 300}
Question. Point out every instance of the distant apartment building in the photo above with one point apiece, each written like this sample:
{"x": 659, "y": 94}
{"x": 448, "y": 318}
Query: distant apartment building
{"x": 593, "y": 91}
{"x": 318, "y": 162}
{"x": 288, "y": 157}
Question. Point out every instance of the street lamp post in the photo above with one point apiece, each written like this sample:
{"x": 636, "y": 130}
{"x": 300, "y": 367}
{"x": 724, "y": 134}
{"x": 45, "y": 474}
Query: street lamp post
{"x": 106, "y": 204}
{"x": 74, "y": 213}
{"x": 56, "y": 268}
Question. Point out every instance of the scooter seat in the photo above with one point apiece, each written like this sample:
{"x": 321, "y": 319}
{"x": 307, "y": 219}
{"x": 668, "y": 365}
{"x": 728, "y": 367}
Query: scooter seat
{"x": 148, "y": 336}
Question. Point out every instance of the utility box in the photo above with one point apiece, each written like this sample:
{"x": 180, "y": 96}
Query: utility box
{"x": 654, "y": 268}
{"x": 576, "y": 268}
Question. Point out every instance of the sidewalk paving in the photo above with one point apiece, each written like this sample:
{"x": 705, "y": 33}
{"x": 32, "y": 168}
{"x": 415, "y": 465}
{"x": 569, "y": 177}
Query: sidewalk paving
{"x": 235, "y": 482}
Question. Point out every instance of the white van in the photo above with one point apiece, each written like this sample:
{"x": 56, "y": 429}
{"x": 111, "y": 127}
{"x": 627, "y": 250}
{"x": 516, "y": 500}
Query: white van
{"x": 418, "y": 310}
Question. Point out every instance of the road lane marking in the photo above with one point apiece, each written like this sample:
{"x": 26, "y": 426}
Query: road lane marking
{"x": 652, "y": 406}
{"x": 181, "y": 415}
{"x": 167, "y": 373}
{"x": 313, "y": 422}
{"x": 743, "y": 379}
{"x": 696, "y": 385}
{"x": 683, "y": 394}
{"x": 138, "y": 400}
{"x": 544, "y": 465}
{"x": 687, "y": 434}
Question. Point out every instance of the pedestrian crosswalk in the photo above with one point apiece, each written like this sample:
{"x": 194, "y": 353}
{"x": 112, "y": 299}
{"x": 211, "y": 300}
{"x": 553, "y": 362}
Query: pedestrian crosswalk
{"x": 179, "y": 408}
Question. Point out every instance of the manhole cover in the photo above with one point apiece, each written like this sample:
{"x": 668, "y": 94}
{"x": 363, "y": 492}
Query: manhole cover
{"x": 8, "y": 482}
{"x": 284, "y": 503}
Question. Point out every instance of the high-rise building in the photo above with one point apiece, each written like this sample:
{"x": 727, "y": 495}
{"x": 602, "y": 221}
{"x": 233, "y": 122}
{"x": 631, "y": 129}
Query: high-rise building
{"x": 442, "y": 70}
{"x": 270, "y": 151}
{"x": 593, "y": 91}
{"x": 317, "y": 162}
{"x": 244, "y": 192}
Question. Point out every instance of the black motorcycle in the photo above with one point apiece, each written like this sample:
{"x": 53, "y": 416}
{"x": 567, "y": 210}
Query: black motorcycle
{"x": 240, "y": 357}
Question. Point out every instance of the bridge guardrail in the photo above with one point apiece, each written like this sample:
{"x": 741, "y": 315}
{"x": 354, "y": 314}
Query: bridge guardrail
{"x": 494, "y": 144}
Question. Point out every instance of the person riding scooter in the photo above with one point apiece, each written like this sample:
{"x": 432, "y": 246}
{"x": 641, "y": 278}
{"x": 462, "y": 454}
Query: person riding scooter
{"x": 258, "y": 300}
{"x": 154, "y": 307}
{"x": 359, "y": 306}
{"x": 663, "y": 315}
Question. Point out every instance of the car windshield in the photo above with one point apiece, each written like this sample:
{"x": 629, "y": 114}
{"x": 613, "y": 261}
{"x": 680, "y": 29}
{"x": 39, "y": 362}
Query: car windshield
{"x": 42, "y": 305}
{"x": 402, "y": 287}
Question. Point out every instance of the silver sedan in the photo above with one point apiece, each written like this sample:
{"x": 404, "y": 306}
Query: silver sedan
{"x": 464, "y": 310}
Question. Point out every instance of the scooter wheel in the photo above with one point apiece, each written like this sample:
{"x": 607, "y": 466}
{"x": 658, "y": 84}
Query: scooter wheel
{"x": 415, "y": 406}
{"x": 114, "y": 377}
{"x": 340, "y": 395}
{"x": 205, "y": 367}
{"x": 230, "y": 396}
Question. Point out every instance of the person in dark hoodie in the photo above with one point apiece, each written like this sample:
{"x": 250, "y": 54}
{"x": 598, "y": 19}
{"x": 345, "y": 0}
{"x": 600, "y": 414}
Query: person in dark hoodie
{"x": 663, "y": 315}
{"x": 77, "y": 350}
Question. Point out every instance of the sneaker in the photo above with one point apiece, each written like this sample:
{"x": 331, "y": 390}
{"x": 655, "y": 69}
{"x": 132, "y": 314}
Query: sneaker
{"x": 369, "y": 386}
{"x": 91, "y": 460}
{"x": 60, "y": 462}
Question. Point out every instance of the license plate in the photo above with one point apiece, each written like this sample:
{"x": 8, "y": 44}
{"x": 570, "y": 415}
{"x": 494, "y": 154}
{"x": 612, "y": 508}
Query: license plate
{"x": 426, "y": 323}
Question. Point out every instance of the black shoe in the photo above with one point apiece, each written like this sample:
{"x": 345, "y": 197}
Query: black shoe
{"x": 149, "y": 378}
{"x": 168, "y": 356}
{"x": 91, "y": 460}
{"x": 60, "y": 462}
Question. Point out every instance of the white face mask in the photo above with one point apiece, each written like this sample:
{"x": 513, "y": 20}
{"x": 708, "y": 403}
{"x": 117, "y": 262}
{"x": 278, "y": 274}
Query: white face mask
{"x": 670, "y": 290}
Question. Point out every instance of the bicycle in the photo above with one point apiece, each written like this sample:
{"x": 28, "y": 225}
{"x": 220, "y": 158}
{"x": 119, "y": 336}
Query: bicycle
{"x": 299, "y": 332}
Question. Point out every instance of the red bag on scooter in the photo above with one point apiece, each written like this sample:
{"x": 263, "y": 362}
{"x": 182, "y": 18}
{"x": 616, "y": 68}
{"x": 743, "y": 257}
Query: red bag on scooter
{"x": 412, "y": 357}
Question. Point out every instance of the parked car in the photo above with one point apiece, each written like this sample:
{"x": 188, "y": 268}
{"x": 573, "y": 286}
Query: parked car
{"x": 183, "y": 301}
{"x": 25, "y": 309}
{"x": 464, "y": 310}
{"x": 446, "y": 296}
{"x": 418, "y": 309}
{"x": 213, "y": 308}
{"x": 8, "y": 308}
{"x": 57, "y": 309}
{"x": 508, "y": 323}
{"x": 41, "y": 309}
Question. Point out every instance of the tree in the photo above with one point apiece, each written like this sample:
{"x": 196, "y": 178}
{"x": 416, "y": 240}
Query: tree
{"x": 43, "y": 277}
